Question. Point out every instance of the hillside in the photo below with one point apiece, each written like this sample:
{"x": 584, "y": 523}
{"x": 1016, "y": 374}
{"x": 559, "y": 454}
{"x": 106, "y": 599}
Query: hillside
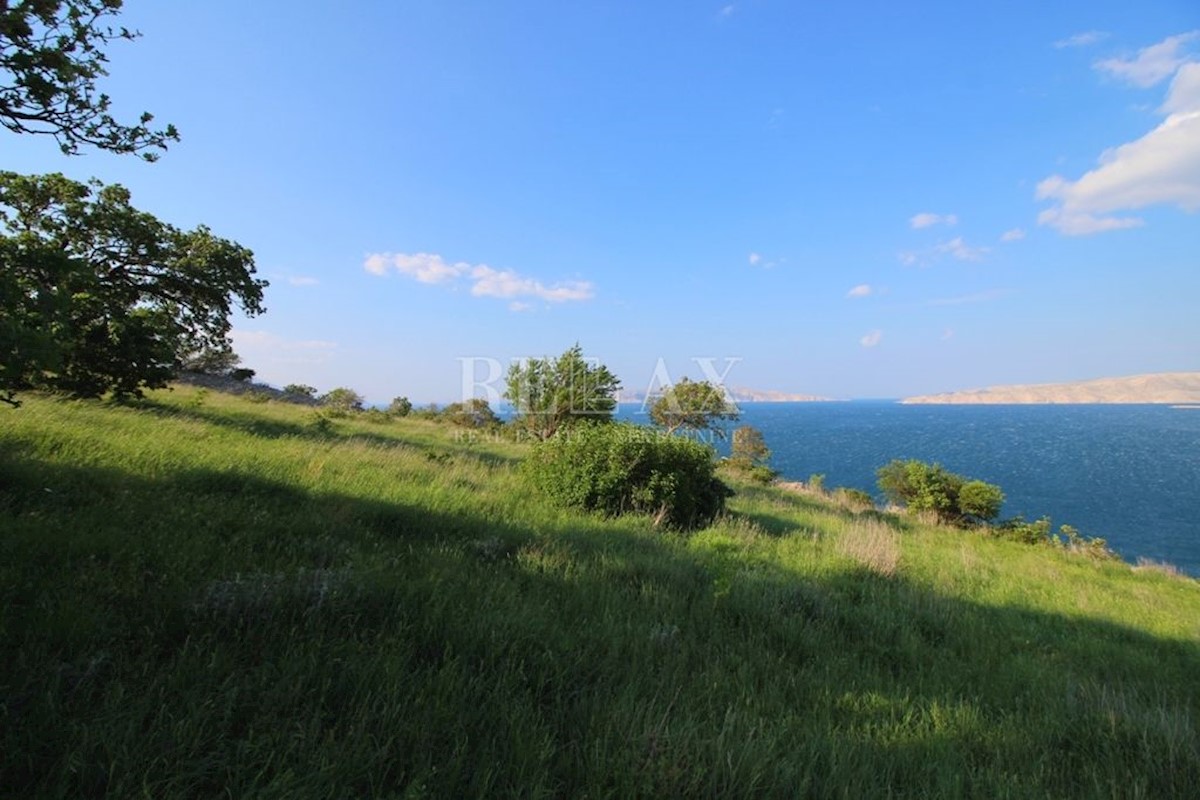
{"x": 1163, "y": 387}
{"x": 203, "y": 595}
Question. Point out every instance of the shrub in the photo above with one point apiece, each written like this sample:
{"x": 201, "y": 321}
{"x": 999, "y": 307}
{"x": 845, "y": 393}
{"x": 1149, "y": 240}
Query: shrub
{"x": 400, "y": 407}
{"x": 930, "y": 487}
{"x": 980, "y": 500}
{"x": 241, "y": 374}
{"x": 622, "y": 468}
{"x": 474, "y": 413}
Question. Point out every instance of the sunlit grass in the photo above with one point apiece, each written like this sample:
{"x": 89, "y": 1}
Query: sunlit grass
{"x": 202, "y": 595}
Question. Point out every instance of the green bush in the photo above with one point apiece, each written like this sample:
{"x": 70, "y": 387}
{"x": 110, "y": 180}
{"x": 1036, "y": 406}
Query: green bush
{"x": 930, "y": 487}
{"x": 622, "y": 468}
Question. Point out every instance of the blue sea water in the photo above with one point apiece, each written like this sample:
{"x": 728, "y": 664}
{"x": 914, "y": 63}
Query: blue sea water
{"x": 1127, "y": 473}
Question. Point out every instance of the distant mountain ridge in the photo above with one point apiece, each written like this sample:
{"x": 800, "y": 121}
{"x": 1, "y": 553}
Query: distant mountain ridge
{"x": 1161, "y": 387}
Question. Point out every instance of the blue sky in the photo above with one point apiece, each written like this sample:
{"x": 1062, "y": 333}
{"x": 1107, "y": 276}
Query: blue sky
{"x": 855, "y": 200}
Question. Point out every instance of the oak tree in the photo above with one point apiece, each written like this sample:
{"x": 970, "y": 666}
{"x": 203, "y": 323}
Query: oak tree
{"x": 51, "y": 55}
{"x": 97, "y": 296}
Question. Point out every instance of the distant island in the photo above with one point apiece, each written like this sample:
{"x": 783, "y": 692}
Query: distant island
{"x": 1172, "y": 388}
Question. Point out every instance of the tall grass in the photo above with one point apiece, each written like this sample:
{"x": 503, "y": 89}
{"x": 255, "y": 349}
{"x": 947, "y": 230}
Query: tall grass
{"x": 202, "y": 595}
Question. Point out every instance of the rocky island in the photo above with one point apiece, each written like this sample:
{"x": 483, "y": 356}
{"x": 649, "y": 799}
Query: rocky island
{"x": 1173, "y": 388}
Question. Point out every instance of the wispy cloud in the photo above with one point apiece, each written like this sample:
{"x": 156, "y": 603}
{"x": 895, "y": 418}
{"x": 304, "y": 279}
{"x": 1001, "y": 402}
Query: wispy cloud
{"x": 1160, "y": 168}
{"x": 862, "y": 290}
{"x": 754, "y": 259}
{"x": 958, "y": 248}
{"x": 727, "y": 10}
{"x": 927, "y": 219}
{"x": 301, "y": 280}
{"x": 1014, "y": 235}
{"x": 517, "y": 306}
{"x": 908, "y": 258}
{"x": 484, "y": 281}
{"x": 1082, "y": 39}
{"x": 947, "y": 334}
{"x": 1151, "y": 64}
{"x": 871, "y": 339}
{"x": 969, "y": 299}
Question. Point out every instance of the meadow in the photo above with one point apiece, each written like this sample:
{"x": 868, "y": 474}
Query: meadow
{"x": 202, "y": 595}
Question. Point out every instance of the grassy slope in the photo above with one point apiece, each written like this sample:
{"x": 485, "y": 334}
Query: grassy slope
{"x": 202, "y": 595}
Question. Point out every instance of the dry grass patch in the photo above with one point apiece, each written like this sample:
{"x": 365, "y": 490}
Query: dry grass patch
{"x": 873, "y": 544}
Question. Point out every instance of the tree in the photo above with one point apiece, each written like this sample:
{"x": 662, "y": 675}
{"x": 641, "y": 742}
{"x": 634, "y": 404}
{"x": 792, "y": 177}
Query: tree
{"x": 929, "y": 487}
{"x": 342, "y": 399}
{"x": 552, "y": 393}
{"x": 96, "y": 296}
{"x": 300, "y": 390}
{"x": 473, "y": 413}
{"x": 980, "y": 500}
{"x": 749, "y": 446}
{"x": 400, "y": 407}
{"x": 51, "y": 54}
{"x": 220, "y": 360}
{"x": 749, "y": 455}
{"x": 697, "y": 406}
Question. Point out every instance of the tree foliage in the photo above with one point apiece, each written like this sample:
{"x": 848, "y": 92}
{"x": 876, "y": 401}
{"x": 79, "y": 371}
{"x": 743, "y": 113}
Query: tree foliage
{"x": 748, "y": 454}
{"x": 473, "y": 413}
{"x": 552, "y": 393}
{"x": 695, "y": 405}
{"x": 300, "y": 390}
{"x": 929, "y": 487}
{"x": 342, "y": 399}
{"x": 96, "y": 296}
{"x": 622, "y": 468}
{"x": 749, "y": 446}
{"x": 51, "y": 55}
{"x": 210, "y": 360}
{"x": 400, "y": 407}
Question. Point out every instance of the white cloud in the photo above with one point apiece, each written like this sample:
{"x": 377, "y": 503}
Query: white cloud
{"x": 947, "y": 334}
{"x": 754, "y": 258}
{"x": 506, "y": 283}
{"x": 909, "y": 258}
{"x": 1014, "y": 235}
{"x": 1082, "y": 39}
{"x": 871, "y": 339}
{"x": 300, "y": 280}
{"x": 927, "y": 219}
{"x": 485, "y": 281}
{"x": 727, "y": 11}
{"x": 1162, "y": 167}
{"x": 263, "y": 348}
{"x": 862, "y": 290}
{"x": 1152, "y": 64}
{"x": 959, "y": 249}
{"x": 518, "y": 306}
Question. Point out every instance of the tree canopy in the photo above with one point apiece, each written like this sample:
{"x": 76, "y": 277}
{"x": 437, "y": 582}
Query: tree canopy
{"x": 930, "y": 487}
{"x": 51, "y": 54}
{"x": 696, "y": 405}
{"x": 97, "y": 296}
{"x": 551, "y": 393}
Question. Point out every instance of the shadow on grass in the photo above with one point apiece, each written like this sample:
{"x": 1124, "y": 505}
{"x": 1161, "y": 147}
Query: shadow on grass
{"x": 257, "y": 425}
{"x": 171, "y": 634}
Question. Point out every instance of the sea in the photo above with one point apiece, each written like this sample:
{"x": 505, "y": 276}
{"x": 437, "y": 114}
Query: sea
{"x": 1127, "y": 473}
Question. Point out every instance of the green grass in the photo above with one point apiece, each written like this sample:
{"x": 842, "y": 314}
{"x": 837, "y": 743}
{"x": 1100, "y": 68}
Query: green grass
{"x": 206, "y": 596}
